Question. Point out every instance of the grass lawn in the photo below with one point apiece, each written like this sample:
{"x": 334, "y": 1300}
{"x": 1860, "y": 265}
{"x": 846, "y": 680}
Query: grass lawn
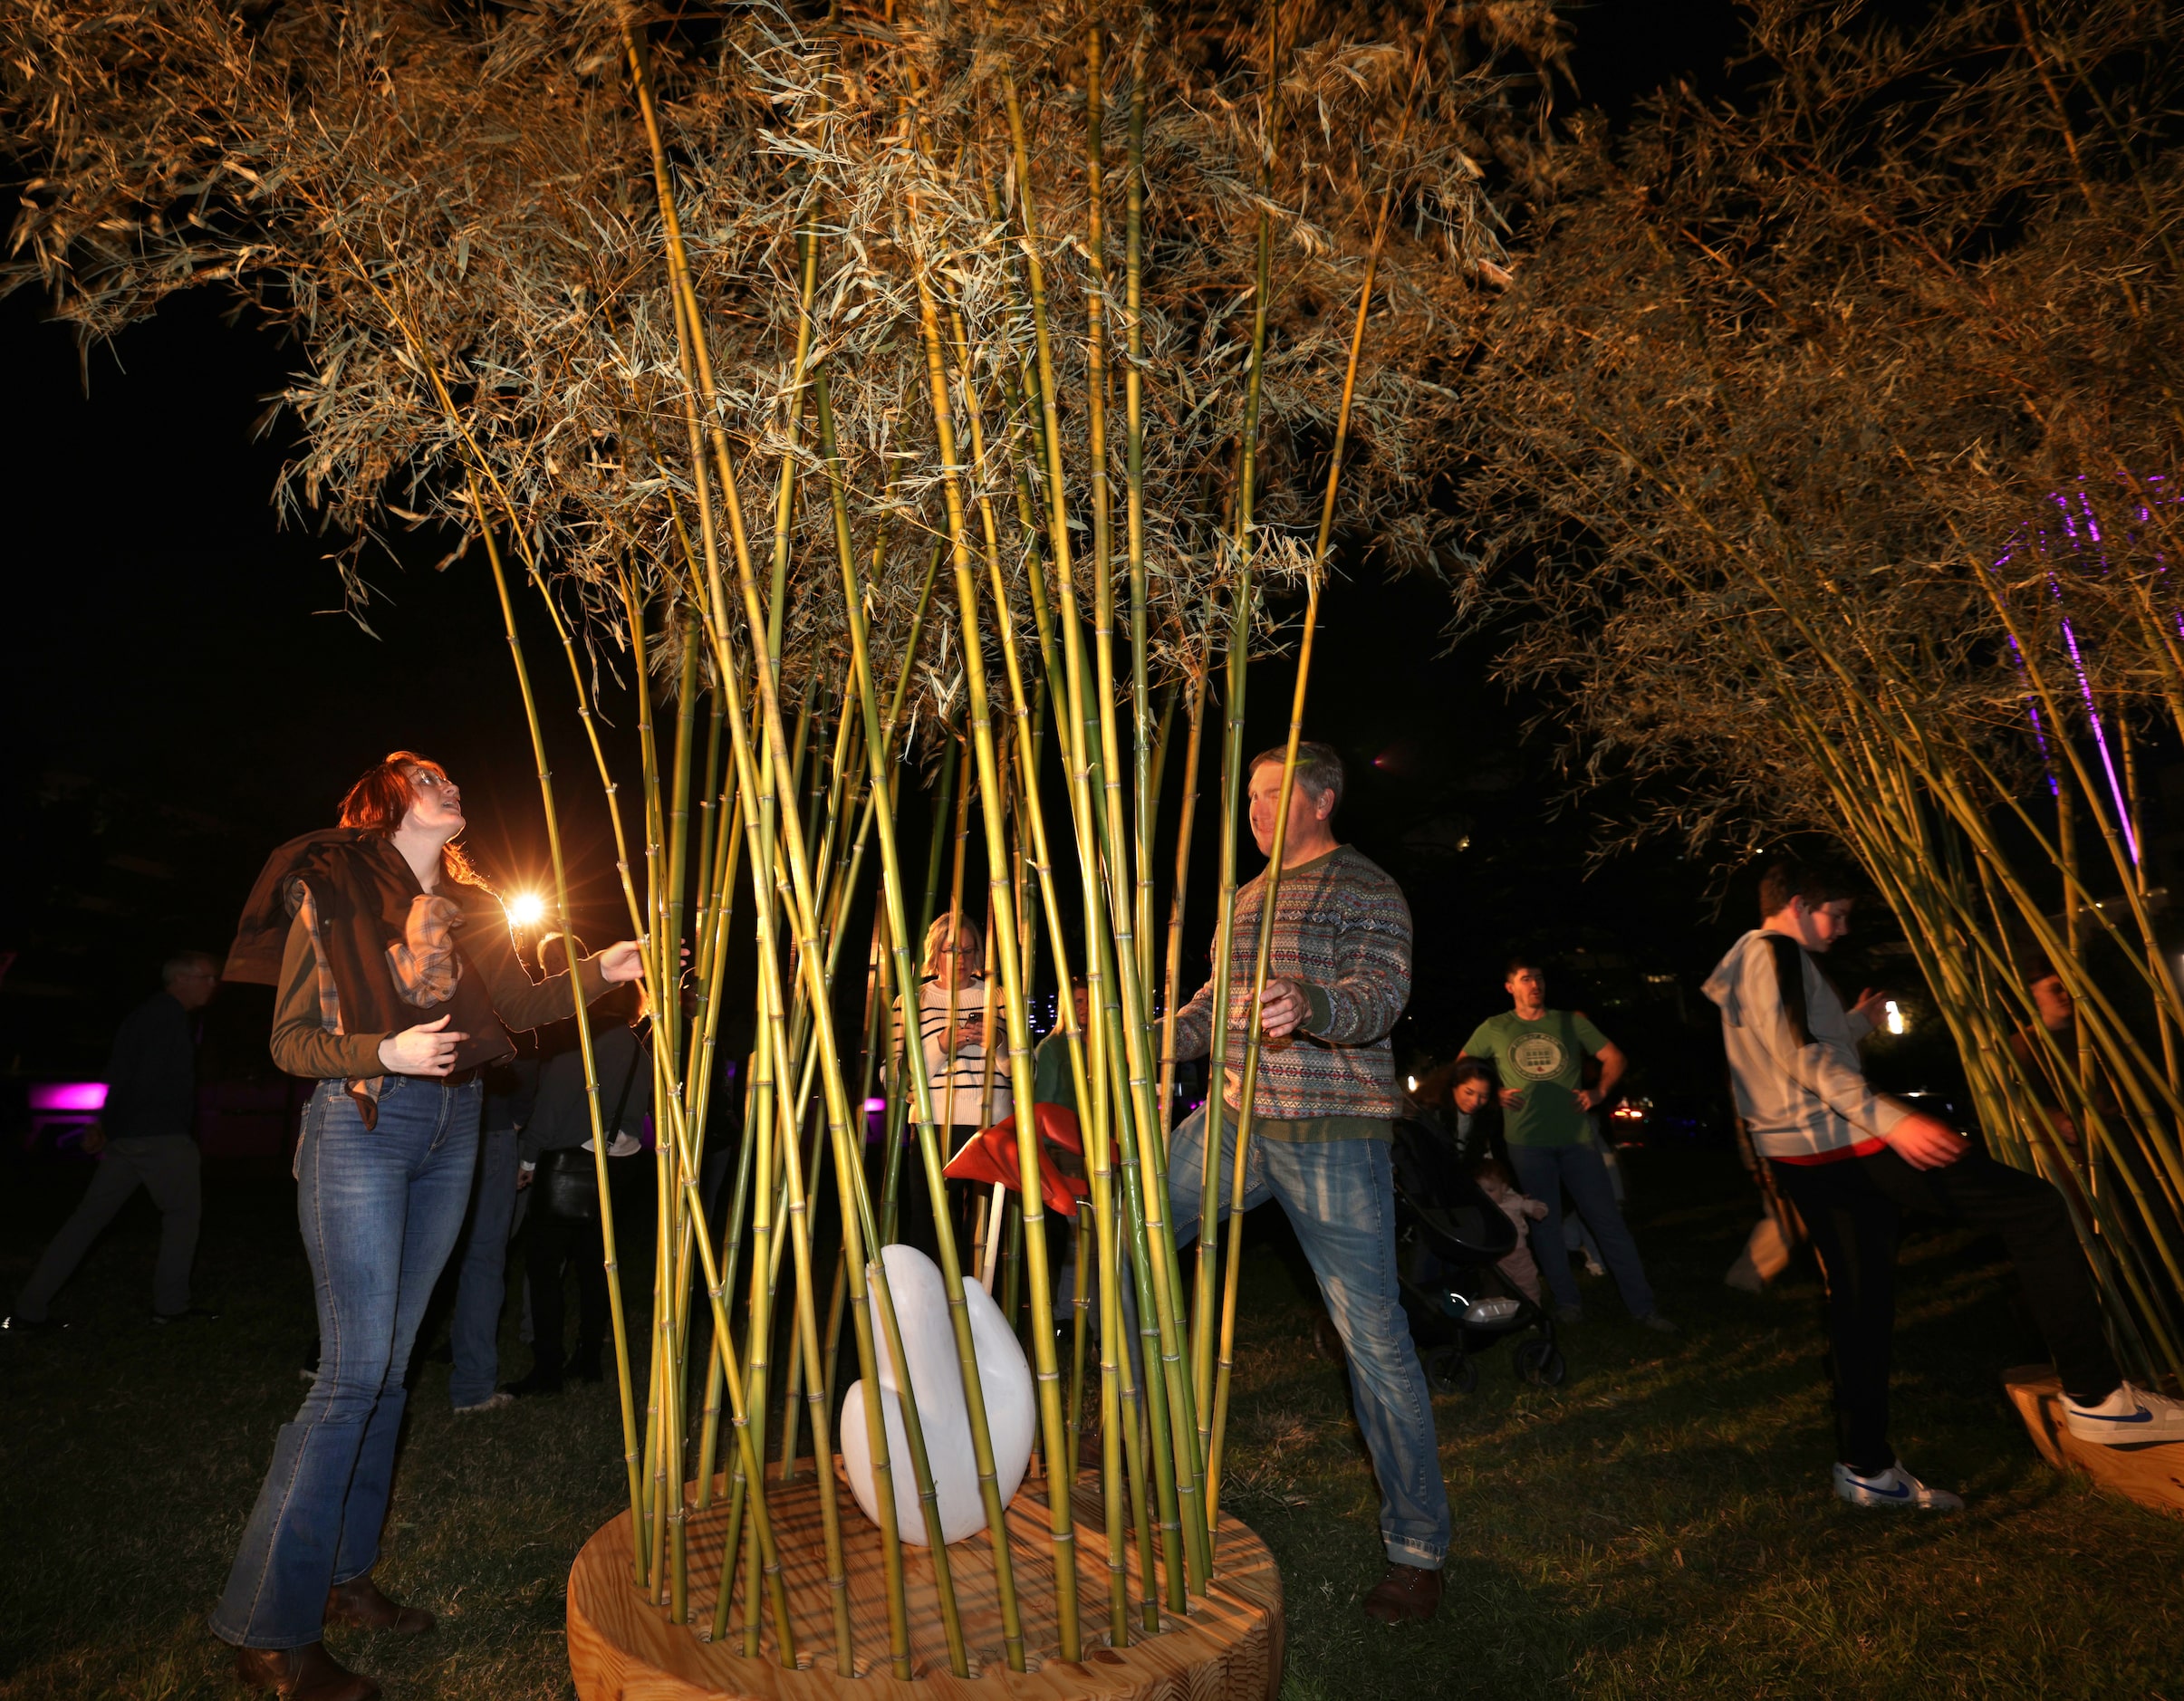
{"x": 1658, "y": 1525}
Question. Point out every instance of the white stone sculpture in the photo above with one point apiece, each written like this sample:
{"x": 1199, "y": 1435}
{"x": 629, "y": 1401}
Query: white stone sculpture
{"x": 928, "y": 1342}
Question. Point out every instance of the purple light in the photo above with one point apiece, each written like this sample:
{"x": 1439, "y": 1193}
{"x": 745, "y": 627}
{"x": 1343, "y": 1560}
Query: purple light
{"x": 874, "y": 1107}
{"x": 2085, "y": 685}
{"x": 2033, "y": 709}
{"x": 68, "y": 1095}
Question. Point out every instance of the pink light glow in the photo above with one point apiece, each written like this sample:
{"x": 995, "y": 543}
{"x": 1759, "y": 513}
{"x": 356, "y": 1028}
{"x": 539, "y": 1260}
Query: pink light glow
{"x": 68, "y": 1095}
{"x": 873, "y": 1107}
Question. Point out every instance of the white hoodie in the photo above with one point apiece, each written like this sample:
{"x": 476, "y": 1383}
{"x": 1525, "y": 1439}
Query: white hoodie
{"x": 1799, "y": 1086}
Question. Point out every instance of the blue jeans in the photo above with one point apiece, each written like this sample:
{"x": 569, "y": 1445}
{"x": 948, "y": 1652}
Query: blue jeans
{"x": 1544, "y": 1171}
{"x": 1339, "y": 1197}
{"x": 380, "y": 1209}
{"x": 474, "y": 1328}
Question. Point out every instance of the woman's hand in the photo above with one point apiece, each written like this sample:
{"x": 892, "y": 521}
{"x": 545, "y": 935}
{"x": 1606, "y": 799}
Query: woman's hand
{"x": 425, "y": 1050}
{"x": 623, "y": 962}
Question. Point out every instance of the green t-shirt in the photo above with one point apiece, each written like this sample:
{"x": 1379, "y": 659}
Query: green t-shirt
{"x": 1546, "y": 1061}
{"x": 1050, "y": 1079}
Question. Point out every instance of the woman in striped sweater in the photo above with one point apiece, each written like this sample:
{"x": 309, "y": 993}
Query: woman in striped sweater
{"x": 957, "y": 1019}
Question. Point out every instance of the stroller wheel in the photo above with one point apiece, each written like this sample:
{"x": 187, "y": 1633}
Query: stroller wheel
{"x": 1540, "y": 1364}
{"x": 1448, "y": 1369}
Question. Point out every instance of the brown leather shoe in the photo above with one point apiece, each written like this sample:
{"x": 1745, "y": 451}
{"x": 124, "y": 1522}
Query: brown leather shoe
{"x": 1407, "y": 1594}
{"x": 303, "y": 1674}
{"x": 358, "y": 1602}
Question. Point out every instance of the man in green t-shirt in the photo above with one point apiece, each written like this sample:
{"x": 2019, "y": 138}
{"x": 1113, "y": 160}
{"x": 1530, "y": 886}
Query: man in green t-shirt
{"x": 1052, "y": 1083}
{"x": 1540, "y": 1056}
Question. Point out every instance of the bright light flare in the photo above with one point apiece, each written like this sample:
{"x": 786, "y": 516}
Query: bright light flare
{"x": 1892, "y": 1015}
{"x": 526, "y": 909}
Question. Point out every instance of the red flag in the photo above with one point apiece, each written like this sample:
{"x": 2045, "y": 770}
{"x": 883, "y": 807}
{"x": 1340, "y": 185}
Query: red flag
{"x": 990, "y": 1155}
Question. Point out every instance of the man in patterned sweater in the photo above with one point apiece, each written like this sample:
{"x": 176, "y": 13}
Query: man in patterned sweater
{"x": 1338, "y": 977}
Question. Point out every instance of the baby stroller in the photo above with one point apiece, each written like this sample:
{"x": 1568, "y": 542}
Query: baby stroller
{"x": 1448, "y": 1236}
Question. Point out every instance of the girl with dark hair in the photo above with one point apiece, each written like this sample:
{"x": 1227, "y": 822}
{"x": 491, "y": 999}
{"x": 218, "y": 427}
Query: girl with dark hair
{"x": 1475, "y": 1091}
{"x": 397, "y": 981}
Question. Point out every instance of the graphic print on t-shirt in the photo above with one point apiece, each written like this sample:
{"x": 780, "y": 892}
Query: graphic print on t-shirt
{"x": 1538, "y": 1056}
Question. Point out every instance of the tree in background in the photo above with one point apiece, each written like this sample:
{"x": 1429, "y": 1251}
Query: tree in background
{"x": 1829, "y": 468}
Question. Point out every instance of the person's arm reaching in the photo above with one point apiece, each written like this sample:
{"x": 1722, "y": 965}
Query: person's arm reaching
{"x": 523, "y": 1003}
{"x": 1922, "y": 1141}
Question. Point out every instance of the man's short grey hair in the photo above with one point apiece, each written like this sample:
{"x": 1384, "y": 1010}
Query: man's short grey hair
{"x": 182, "y": 961}
{"x": 1319, "y": 768}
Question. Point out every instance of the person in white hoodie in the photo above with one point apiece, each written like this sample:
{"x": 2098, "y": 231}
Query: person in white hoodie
{"x": 1852, "y": 1160}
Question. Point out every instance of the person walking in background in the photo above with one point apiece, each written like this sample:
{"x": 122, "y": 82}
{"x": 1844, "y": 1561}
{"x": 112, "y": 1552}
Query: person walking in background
{"x": 1539, "y": 1057}
{"x": 1852, "y": 1160}
{"x": 482, "y": 1286}
{"x": 1322, "y": 1126}
{"x": 559, "y": 1167}
{"x": 142, "y": 1139}
{"x": 366, "y": 931}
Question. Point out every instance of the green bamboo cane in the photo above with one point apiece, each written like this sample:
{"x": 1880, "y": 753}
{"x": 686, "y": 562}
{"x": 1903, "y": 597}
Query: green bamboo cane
{"x": 1186, "y": 828}
{"x": 670, "y": 1283}
{"x": 1269, "y": 895}
{"x": 1001, "y": 919}
{"x": 1114, "y": 1363}
{"x": 1133, "y": 404}
{"x": 631, "y": 1462}
{"x": 1174, "y": 1477}
{"x": 901, "y": 969}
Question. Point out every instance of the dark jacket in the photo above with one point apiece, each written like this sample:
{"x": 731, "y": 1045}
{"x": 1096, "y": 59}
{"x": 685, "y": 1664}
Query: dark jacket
{"x": 151, "y": 1078}
{"x": 562, "y": 1117}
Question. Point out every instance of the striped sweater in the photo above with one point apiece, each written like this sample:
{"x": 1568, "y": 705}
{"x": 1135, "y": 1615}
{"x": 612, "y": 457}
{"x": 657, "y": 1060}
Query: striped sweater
{"x": 1342, "y": 931}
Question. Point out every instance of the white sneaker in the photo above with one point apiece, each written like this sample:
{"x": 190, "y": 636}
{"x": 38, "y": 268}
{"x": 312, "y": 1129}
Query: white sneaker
{"x": 2131, "y": 1417}
{"x": 1486, "y": 1313}
{"x": 1893, "y": 1487}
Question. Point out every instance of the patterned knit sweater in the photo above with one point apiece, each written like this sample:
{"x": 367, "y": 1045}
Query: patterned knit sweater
{"x": 1342, "y": 930}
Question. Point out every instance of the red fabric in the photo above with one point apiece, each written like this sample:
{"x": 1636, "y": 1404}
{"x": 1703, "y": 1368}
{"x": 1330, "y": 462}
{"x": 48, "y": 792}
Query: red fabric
{"x": 990, "y": 1155}
{"x": 1864, "y": 1149}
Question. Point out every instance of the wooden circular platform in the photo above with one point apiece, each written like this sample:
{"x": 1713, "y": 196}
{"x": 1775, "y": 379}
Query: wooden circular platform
{"x": 621, "y": 1648}
{"x": 2151, "y": 1476}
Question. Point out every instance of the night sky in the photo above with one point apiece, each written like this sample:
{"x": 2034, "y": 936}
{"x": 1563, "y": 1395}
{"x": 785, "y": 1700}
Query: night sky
{"x": 193, "y": 693}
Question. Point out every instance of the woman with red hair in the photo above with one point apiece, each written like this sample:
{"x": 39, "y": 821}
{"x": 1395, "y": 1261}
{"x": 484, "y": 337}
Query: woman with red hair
{"x": 397, "y": 984}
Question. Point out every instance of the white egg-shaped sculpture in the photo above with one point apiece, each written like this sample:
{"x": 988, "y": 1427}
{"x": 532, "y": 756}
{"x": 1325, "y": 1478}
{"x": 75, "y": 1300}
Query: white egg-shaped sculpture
{"x": 928, "y": 1343}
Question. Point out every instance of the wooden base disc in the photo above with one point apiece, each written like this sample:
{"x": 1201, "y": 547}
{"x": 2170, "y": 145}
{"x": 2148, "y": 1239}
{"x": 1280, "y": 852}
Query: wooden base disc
{"x": 621, "y": 1648}
{"x": 2151, "y": 1476}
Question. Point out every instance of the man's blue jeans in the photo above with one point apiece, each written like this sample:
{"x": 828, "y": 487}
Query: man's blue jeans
{"x": 380, "y": 1209}
{"x": 1542, "y": 1172}
{"x": 1339, "y": 1197}
{"x": 474, "y": 1328}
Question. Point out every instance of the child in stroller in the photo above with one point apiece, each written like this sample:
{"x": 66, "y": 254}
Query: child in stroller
{"x": 1448, "y": 1238}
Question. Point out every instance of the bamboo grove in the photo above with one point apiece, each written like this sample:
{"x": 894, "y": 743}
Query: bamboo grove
{"x": 1847, "y": 418}
{"x": 875, "y": 394}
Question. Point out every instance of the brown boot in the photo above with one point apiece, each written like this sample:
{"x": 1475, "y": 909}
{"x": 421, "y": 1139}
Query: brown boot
{"x": 1406, "y": 1594}
{"x": 358, "y": 1602}
{"x": 303, "y": 1674}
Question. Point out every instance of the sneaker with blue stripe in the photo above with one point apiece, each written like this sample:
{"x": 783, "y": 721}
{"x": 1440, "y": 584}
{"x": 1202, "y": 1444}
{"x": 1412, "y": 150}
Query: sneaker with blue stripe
{"x": 1893, "y": 1487}
{"x": 2129, "y": 1418}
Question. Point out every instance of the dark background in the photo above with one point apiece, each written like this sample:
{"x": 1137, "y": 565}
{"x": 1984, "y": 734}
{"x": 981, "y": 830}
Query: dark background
{"x": 187, "y": 691}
